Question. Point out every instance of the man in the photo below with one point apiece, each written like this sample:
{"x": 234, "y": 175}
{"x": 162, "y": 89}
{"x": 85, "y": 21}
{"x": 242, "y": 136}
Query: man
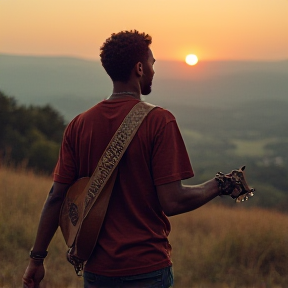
{"x": 132, "y": 248}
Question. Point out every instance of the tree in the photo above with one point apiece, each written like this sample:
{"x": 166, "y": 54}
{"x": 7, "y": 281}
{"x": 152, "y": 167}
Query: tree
{"x": 32, "y": 134}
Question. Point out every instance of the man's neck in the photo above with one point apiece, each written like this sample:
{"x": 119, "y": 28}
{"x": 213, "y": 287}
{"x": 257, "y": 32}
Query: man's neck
{"x": 124, "y": 94}
{"x": 121, "y": 90}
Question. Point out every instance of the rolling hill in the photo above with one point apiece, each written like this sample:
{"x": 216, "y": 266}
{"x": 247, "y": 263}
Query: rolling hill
{"x": 72, "y": 85}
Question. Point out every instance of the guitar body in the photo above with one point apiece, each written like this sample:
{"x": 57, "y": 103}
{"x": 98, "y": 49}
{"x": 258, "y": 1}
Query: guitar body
{"x": 72, "y": 210}
{"x": 81, "y": 229}
{"x": 87, "y": 236}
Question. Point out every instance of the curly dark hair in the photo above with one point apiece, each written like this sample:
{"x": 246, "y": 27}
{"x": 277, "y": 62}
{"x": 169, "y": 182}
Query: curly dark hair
{"x": 122, "y": 51}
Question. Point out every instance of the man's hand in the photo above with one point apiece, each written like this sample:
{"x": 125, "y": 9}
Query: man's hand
{"x": 235, "y": 185}
{"x": 34, "y": 274}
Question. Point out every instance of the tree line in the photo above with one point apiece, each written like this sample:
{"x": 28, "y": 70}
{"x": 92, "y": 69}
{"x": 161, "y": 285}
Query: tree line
{"x": 29, "y": 135}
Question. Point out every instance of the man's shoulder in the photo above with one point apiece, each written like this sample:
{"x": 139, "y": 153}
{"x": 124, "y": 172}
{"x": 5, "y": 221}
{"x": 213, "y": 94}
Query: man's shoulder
{"x": 85, "y": 114}
{"x": 81, "y": 118}
{"x": 162, "y": 113}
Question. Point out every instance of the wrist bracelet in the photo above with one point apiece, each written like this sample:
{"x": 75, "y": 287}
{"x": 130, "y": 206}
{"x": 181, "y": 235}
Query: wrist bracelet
{"x": 38, "y": 255}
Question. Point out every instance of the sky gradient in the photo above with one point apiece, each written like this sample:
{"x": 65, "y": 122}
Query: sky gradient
{"x": 213, "y": 30}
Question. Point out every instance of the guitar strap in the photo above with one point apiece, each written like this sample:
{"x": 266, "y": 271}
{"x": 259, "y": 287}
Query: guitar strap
{"x": 81, "y": 215}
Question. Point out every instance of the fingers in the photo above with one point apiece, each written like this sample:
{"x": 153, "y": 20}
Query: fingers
{"x": 33, "y": 275}
{"x": 27, "y": 279}
{"x": 27, "y": 283}
{"x": 236, "y": 192}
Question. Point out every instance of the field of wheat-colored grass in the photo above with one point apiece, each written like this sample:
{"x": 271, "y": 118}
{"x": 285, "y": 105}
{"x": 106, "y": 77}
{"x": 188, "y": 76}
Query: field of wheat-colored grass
{"x": 213, "y": 246}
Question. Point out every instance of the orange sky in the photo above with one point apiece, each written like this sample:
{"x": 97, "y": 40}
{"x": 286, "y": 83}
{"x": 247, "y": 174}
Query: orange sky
{"x": 213, "y": 30}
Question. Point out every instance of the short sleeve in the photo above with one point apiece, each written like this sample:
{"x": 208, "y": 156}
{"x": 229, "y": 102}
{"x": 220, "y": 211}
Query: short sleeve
{"x": 170, "y": 161}
{"x": 65, "y": 170}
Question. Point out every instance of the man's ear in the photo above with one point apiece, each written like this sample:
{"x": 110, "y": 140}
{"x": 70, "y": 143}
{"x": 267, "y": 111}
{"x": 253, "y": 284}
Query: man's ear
{"x": 139, "y": 69}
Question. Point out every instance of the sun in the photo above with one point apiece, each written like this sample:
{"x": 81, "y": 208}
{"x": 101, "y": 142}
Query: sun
{"x": 191, "y": 59}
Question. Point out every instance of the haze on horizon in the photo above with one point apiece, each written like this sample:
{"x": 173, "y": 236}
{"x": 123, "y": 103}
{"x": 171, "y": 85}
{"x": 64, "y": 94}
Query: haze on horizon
{"x": 213, "y": 30}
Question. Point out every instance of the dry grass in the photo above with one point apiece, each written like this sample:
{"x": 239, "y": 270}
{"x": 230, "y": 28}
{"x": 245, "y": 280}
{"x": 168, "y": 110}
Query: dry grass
{"x": 22, "y": 196}
{"x": 212, "y": 246}
{"x": 222, "y": 247}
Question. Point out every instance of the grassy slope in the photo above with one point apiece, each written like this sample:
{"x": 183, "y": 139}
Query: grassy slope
{"x": 212, "y": 246}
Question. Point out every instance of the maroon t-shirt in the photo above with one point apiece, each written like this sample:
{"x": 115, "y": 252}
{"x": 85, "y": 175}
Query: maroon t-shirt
{"x": 133, "y": 238}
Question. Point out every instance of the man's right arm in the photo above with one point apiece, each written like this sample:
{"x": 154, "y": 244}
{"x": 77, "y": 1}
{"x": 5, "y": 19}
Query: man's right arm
{"x": 176, "y": 198}
{"x": 47, "y": 227}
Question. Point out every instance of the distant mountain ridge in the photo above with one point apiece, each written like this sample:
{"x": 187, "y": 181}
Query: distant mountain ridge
{"x": 72, "y": 85}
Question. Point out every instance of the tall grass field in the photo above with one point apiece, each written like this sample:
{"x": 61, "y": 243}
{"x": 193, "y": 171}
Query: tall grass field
{"x": 213, "y": 246}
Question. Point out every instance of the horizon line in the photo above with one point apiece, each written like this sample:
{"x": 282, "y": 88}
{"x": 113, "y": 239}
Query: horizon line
{"x": 78, "y": 57}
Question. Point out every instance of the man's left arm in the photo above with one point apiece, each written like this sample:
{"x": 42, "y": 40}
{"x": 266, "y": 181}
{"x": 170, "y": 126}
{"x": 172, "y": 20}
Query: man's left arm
{"x": 47, "y": 227}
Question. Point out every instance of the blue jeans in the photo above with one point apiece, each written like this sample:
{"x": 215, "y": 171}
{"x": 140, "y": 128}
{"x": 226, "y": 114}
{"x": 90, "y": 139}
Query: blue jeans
{"x": 162, "y": 278}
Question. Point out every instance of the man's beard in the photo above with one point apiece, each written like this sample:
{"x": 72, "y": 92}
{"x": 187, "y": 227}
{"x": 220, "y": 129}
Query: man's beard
{"x": 146, "y": 89}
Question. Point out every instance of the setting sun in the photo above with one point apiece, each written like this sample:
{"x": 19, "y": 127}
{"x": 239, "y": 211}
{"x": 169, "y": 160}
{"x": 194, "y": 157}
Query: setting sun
{"x": 191, "y": 59}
